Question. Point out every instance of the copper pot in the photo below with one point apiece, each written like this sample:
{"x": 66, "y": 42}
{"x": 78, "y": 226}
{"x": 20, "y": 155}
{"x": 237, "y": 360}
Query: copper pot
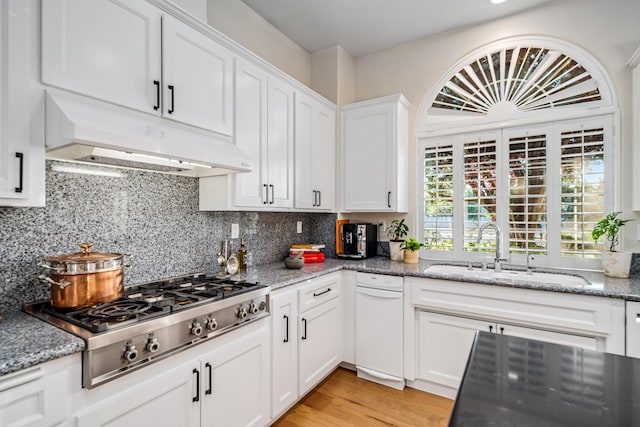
{"x": 84, "y": 279}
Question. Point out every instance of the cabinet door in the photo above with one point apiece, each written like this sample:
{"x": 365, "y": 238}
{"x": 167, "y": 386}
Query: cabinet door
{"x": 318, "y": 344}
{"x": 235, "y": 382}
{"x": 284, "y": 350}
{"x": 280, "y": 145}
{"x": 22, "y": 152}
{"x": 197, "y": 79}
{"x": 590, "y": 343}
{"x": 167, "y": 400}
{"x": 368, "y": 156}
{"x": 32, "y": 398}
{"x": 314, "y": 154}
{"x": 324, "y": 157}
{"x": 443, "y": 347}
{"x": 251, "y": 133}
{"x": 107, "y": 49}
{"x": 305, "y": 191}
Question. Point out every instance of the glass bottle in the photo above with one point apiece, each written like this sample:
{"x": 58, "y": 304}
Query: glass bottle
{"x": 242, "y": 256}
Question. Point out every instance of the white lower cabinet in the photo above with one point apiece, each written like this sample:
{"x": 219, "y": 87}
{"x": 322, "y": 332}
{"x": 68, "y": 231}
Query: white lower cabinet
{"x": 319, "y": 344}
{"x": 234, "y": 385}
{"x": 224, "y": 382}
{"x": 306, "y": 338}
{"x": 284, "y": 348}
{"x": 38, "y": 396}
{"x": 445, "y": 315}
{"x": 444, "y": 343}
{"x": 167, "y": 400}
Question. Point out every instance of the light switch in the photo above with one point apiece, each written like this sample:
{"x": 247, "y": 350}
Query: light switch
{"x": 235, "y": 231}
{"x": 299, "y": 227}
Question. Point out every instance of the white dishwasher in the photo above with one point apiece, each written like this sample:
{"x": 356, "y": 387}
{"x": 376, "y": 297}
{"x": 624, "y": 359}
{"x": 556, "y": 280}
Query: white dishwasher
{"x": 379, "y": 329}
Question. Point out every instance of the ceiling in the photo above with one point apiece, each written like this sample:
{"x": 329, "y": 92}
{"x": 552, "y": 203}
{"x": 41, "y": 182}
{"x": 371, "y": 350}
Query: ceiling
{"x": 366, "y": 26}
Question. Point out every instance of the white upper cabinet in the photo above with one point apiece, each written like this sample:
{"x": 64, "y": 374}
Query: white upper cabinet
{"x": 263, "y": 130}
{"x": 280, "y": 144}
{"x": 250, "y": 135}
{"x": 131, "y": 54}
{"x": 374, "y": 156}
{"x": 198, "y": 78}
{"x": 108, "y": 50}
{"x": 22, "y": 166}
{"x": 315, "y": 141}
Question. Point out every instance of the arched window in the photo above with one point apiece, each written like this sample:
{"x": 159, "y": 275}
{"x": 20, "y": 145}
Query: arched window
{"x": 519, "y": 133}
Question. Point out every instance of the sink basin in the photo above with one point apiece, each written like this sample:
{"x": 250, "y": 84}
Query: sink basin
{"x": 553, "y": 279}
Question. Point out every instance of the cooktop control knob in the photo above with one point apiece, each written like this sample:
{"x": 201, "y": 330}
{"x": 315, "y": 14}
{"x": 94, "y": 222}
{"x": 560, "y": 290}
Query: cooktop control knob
{"x": 262, "y": 306}
{"x": 130, "y": 353}
{"x": 152, "y": 345}
{"x": 211, "y": 324}
{"x": 196, "y": 329}
{"x": 242, "y": 313}
{"x": 253, "y": 309}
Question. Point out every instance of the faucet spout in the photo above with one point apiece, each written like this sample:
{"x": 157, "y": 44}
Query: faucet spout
{"x": 498, "y": 256}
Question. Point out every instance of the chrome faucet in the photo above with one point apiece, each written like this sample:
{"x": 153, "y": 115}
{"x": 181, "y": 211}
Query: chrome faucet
{"x": 497, "y": 265}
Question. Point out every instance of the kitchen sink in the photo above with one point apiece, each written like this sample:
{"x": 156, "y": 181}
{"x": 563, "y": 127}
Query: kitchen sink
{"x": 553, "y": 279}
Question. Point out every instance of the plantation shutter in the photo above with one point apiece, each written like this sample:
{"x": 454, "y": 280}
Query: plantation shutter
{"x": 438, "y": 198}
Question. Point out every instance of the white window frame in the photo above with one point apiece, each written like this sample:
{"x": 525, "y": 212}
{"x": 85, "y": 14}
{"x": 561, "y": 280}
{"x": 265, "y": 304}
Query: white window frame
{"x": 553, "y": 133}
{"x": 429, "y": 128}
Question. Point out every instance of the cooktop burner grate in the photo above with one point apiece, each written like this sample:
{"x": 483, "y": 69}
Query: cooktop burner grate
{"x": 150, "y": 300}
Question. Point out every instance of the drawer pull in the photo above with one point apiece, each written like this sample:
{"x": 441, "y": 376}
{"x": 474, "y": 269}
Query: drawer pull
{"x": 322, "y": 293}
{"x": 638, "y": 318}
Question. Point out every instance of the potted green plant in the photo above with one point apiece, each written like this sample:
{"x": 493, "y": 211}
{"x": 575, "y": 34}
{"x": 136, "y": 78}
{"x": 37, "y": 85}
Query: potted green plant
{"x": 411, "y": 248}
{"x": 396, "y": 232}
{"x": 614, "y": 263}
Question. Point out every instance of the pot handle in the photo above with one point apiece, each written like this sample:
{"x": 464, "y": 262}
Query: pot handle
{"x": 62, "y": 283}
{"x": 48, "y": 267}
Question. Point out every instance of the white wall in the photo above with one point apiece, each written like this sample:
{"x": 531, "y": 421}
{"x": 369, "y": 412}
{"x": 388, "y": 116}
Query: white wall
{"x": 239, "y": 22}
{"x": 333, "y": 74}
{"x": 609, "y": 30}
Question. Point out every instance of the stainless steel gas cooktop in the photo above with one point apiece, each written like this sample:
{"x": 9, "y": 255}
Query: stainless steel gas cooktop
{"x": 154, "y": 320}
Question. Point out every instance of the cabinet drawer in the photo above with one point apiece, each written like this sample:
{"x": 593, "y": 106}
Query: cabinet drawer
{"x": 380, "y": 281}
{"x": 316, "y": 291}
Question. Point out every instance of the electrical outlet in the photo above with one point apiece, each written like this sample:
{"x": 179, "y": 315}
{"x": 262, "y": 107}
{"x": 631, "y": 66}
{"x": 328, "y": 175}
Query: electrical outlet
{"x": 299, "y": 227}
{"x": 235, "y": 231}
{"x": 382, "y": 231}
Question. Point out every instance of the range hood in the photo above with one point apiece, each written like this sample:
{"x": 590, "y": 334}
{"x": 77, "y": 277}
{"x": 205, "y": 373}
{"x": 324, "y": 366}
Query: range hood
{"x": 86, "y": 130}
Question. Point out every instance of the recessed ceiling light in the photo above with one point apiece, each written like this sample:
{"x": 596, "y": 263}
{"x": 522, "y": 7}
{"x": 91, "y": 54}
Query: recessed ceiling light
{"x": 498, "y": 1}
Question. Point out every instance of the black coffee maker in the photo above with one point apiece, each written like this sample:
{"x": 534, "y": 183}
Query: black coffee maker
{"x": 359, "y": 241}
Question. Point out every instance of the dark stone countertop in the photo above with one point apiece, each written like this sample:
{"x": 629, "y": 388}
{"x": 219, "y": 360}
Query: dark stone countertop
{"x": 27, "y": 341}
{"x": 512, "y": 381}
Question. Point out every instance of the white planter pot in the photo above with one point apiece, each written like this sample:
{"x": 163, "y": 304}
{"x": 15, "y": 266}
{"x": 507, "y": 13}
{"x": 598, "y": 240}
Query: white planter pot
{"x": 395, "y": 253}
{"x": 616, "y": 264}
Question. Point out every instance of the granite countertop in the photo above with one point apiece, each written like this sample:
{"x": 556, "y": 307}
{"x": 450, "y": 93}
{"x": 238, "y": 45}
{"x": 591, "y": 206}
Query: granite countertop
{"x": 511, "y": 381}
{"x": 27, "y": 341}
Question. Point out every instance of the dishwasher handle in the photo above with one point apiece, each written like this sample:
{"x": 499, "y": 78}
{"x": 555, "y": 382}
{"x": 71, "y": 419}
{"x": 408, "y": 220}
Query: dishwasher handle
{"x": 379, "y": 293}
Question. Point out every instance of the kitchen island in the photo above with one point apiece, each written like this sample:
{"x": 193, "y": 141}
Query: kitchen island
{"x": 511, "y": 381}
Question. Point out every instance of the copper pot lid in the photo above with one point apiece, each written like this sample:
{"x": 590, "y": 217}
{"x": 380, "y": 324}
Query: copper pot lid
{"x": 84, "y": 261}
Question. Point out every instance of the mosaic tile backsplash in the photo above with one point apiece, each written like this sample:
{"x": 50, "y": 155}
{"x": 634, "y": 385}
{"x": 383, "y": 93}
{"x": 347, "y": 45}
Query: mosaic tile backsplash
{"x": 150, "y": 215}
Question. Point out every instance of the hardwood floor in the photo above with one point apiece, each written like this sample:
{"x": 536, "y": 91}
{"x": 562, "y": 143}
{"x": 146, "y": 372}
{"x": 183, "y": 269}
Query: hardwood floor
{"x": 343, "y": 399}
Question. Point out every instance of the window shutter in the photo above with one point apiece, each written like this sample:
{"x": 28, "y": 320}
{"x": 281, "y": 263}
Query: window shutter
{"x": 583, "y": 188}
{"x": 528, "y": 194}
{"x": 438, "y": 198}
{"x": 480, "y": 161}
